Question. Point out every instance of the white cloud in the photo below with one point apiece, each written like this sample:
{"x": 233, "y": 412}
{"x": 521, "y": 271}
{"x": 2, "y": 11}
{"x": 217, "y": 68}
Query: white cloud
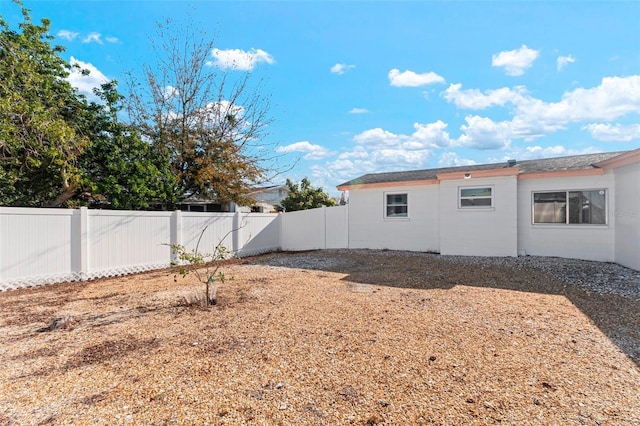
{"x": 313, "y": 152}
{"x": 613, "y": 98}
{"x": 219, "y": 112}
{"x": 533, "y": 118}
{"x": 67, "y": 35}
{"x": 451, "y": 159}
{"x": 170, "y": 92}
{"x": 411, "y": 79}
{"x": 358, "y": 111}
{"x": 563, "y": 61}
{"x": 379, "y": 138}
{"x": 240, "y": 59}
{"x": 516, "y": 61}
{"x": 399, "y": 159}
{"x": 613, "y": 133}
{"x": 536, "y": 151}
{"x": 85, "y": 83}
{"x": 341, "y": 68}
{"x": 379, "y": 150}
{"x": 475, "y": 99}
{"x": 427, "y": 136}
{"x": 111, "y": 39}
{"x": 484, "y": 133}
{"x": 93, "y": 38}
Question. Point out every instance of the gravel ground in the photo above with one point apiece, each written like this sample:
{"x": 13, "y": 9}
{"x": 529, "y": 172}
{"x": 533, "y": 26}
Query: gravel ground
{"x": 331, "y": 337}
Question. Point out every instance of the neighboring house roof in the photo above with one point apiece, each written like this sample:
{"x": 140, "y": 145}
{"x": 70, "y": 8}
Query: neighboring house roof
{"x": 268, "y": 188}
{"x": 570, "y": 163}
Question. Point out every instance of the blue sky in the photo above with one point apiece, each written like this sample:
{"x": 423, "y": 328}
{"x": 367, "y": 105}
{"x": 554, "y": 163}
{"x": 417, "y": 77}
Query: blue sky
{"x": 361, "y": 87}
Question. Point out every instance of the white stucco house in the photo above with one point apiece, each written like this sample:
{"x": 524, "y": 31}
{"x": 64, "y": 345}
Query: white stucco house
{"x": 584, "y": 207}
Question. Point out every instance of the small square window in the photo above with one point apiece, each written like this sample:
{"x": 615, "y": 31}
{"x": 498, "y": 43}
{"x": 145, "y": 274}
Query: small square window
{"x": 396, "y": 205}
{"x": 476, "y": 197}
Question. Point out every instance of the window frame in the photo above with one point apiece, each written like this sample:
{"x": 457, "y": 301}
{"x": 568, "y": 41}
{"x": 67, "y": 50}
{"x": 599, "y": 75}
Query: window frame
{"x": 491, "y": 197}
{"x": 567, "y": 207}
{"x": 386, "y": 206}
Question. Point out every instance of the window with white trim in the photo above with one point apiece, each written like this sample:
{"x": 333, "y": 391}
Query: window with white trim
{"x": 475, "y": 197}
{"x": 396, "y": 205}
{"x": 570, "y": 207}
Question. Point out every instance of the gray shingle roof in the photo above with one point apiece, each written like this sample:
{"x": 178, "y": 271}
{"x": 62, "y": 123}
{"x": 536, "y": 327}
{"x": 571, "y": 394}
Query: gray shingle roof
{"x": 575, "y": 162}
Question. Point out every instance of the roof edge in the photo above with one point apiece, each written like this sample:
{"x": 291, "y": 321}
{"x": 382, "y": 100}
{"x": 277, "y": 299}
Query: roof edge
{"x": 623, "y": 159}
{"x": 478, "y": 174}
{"x": 561, "y": 173}
{"x": 344, "y": 187}
{"x": 466, "y": 174}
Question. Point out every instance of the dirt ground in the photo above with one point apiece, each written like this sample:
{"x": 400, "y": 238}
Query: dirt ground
{"x": 326, "y": 338}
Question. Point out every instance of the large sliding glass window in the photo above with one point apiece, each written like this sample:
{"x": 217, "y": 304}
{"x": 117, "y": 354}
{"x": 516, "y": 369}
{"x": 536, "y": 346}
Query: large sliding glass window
{"x": 570, "y": 207}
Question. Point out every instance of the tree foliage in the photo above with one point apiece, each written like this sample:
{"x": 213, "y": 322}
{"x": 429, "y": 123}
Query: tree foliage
{"x": 304, "y": 196}
{"x": 119, "y": 168}
{"x": 40, "y": 138}
{"x": 56, "y": 149}
{"x": 195, "y": 130}
{"x": 207, "y": 120}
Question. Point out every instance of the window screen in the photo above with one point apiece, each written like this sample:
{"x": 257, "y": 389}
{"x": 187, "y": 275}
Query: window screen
{"x": 476, "y": 197}
{"x": 396, "y": 205}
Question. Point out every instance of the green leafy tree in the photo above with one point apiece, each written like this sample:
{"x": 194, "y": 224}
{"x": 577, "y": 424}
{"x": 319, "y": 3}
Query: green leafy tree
{"x": 209, "y": 121}
{"x": 304, "y": 196}
{"x": 56, "y": 149}
{"x": 204, "y": 266}
{"x": 119, "y": 168}
{"x": 39, "y": 139}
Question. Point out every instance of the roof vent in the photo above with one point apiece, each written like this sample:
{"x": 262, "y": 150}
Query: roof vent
{"x": 511, "y": 163}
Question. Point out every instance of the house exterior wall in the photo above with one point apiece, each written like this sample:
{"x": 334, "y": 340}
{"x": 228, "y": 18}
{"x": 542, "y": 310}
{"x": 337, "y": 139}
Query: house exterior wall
{"x": 368, "y": 227}
{"x": 486, "y": 231}
{"x": 272, "y": 196}
{"x": 589, "y": 242}
{"x": 627, "y": 216}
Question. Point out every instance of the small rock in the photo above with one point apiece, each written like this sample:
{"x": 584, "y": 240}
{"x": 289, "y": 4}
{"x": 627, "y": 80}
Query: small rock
{"x": 59, "y": 323}
{"x": 374, "y": 420}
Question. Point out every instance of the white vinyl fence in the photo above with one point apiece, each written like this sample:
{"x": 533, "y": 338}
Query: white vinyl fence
{"x": 44, "y": 246}
{"x": 323, "y": 228}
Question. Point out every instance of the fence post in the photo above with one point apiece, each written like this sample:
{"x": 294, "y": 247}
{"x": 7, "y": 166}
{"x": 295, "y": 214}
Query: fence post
{"x": 235, "y": 234}
{"x": 324, "y": 222}
{"x": 83, "y": 244}
{"x": 176, "y": 231}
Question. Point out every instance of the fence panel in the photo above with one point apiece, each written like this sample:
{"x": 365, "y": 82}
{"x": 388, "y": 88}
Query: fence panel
{"x": 258, "y": 233}
{"x": 315, "y": 229}
{"x": 219, "y": 230}
{"x": 121, "y": 242}
{"x": 34, "y": 247}
{"x": 337, "y": 227}
{"x": 303, "y": 230}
